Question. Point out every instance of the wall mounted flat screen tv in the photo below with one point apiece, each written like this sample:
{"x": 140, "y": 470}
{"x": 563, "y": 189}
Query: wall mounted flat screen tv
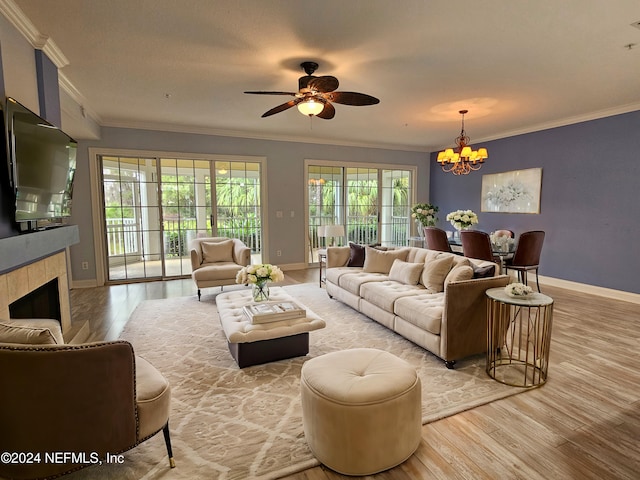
{"x": 42, "y": 164}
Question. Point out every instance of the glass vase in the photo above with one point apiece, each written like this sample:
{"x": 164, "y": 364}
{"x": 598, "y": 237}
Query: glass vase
{"x": 260, "y": 291}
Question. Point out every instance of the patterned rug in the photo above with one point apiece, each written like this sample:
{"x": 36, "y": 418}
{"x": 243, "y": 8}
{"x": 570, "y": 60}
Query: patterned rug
{"x": 228, "y": 423}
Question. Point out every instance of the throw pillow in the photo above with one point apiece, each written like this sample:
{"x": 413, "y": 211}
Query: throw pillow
{"x": 405, "y": 272}
{"x": 217, "y": 251}
{"x": 378, "y": 261}
{"x": 484, "y": 272}
{"x": 459, "y": 273}
{"x": 357, "y": 255}
{"x": 435, "y": 271}
{"x": 40, "y": 332}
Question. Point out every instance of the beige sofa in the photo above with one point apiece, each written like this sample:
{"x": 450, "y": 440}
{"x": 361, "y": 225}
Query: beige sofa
{"x": 215, "y": 261}
{"x": 434, "y": 299}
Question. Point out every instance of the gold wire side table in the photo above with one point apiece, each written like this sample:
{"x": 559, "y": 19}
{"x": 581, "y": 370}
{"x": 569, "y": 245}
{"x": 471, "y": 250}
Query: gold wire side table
{"x": 519, "y": 338}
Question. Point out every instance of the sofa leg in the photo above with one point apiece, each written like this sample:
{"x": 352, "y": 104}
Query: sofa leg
{"x": 198, "y": 294}
{"x": 449, "y": 364}
{"x": 167, "y": 441}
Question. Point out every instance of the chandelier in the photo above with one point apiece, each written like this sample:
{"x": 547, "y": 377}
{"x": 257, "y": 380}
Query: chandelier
{"x": 463, "y": 159}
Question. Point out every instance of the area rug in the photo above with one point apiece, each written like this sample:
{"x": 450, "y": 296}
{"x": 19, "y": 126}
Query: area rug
{"x": 228, "y": 423}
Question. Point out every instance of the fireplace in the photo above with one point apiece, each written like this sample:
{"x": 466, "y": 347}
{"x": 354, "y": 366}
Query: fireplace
{"x": 37, "y": 290}
{"x": 43, "y": 302}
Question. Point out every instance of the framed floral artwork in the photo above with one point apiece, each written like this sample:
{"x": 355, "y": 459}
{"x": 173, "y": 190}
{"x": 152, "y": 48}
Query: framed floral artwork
{"x": 517, "y": 191}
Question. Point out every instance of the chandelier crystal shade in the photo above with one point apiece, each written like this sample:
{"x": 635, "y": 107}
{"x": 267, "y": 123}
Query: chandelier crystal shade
{"x": 463, "y": 159}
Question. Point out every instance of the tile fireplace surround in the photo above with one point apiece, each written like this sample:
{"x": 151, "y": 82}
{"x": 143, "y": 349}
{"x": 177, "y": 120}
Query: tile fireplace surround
{"x": 32, "y": 260}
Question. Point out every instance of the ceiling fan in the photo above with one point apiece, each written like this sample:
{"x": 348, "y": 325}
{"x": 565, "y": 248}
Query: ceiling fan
{"x": 316, "y": 94}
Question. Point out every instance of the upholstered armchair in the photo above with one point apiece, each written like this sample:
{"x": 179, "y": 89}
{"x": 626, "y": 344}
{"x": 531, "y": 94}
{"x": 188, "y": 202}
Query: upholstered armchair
{"x": 89, "y": 399}
{"x": 215, "y": 261}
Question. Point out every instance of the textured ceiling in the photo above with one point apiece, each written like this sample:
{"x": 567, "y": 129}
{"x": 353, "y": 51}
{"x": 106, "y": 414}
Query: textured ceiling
{"x": 517, "y": 66}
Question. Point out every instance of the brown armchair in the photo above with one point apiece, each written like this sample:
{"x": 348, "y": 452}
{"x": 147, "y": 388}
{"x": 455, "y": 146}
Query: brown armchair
{"x": 215, "y": 261}
{"x": 91, "y": 399}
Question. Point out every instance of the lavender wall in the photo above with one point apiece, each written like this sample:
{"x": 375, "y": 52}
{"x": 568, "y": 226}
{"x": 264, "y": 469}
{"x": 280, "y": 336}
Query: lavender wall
{"x": 589, "y": 205}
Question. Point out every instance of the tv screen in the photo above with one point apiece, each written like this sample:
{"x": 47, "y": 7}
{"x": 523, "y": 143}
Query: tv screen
{"x": 42, "y": 164}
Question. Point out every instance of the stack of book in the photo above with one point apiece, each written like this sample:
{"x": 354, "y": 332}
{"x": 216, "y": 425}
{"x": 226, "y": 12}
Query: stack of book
{"x": 273, "y": 311}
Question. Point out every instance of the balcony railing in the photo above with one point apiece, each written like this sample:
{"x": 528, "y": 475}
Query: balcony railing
{"x": 122, "y": 236}
{"x": 363, "y": 230}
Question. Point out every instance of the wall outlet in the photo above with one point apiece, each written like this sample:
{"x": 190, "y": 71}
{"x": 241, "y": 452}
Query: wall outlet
{"x": 278, "y": 213}
{"x": 85, "y": 265}
{"x": 278, "y": 253}
{"x": 293, "y": 213}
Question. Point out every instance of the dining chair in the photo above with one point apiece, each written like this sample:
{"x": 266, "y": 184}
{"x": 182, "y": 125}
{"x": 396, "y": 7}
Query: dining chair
{"x": 437, "y": 239}
{"x": 527, "y": 255}
{"x": 504, "y": 233}
{"x": 477, "y": 244}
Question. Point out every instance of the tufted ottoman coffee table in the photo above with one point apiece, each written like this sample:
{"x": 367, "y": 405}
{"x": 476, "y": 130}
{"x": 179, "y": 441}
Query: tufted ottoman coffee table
{"x": 361, "y": 410}
{"x": 251, "y": 344}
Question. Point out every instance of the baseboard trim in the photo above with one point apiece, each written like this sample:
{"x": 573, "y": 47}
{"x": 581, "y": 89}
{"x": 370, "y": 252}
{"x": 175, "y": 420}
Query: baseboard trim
{"x": 293, "y": 266}
{"x": 84, "y": 283}
{"x": 589, "y": 289}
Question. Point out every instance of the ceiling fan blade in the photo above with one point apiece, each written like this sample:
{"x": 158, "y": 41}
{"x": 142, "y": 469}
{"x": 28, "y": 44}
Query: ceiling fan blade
{"x": 303, "y": 82}
{"x": 282, "y": 108}
{"x": 324, "y": 84}
{"x": 272, "y": 93}
{"x": 328, "y": 112}
{"x": 351, "y": 98}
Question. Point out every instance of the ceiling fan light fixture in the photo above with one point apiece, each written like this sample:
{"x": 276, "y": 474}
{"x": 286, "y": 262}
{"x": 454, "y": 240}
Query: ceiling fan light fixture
{"x": 310, "y": 107}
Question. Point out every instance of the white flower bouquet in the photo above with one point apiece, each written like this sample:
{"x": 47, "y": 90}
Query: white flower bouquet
{"x": 502, "y": 243}
{"x": 425, "y": 213}
{"x": 518, "y": 290}
{"x": 462, "y": 219}
{"x": 259, "y": 274}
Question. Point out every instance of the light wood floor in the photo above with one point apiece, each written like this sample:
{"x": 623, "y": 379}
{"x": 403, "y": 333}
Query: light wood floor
{"x": 583, "y": 424}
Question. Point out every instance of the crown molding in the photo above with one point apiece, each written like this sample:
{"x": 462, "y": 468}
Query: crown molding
{"x": 21, "y": 22}
{"x": 586, "y": 117}
{"x": 70, "y": 89}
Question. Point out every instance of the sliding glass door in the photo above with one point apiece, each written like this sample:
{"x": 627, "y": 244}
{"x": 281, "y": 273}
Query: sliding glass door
{"x": 154, "y": 207}
{"x": 372, "y": 204}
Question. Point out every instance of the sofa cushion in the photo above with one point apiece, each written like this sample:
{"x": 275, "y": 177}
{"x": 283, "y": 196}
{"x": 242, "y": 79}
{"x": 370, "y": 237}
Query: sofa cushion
{"x": 356, "y": 256}
{"x": 352, "y": 282}
{"x": 333, "y": 274}
{"x": 435, "y": 271}
{"x": 423, "y": 310}
{"x": 384, "y": 294}
{"x": 405, "y": 272}
{"x": 213, "y": 252}
{"x": 459, "y": 260}
{"x": 153, "y": 398}
{"x": 459, "y": 273}
{"x": 218, "y": 271}
{"x": 378, "y": 261}
{"x": 32, "y": 331}
{"x": 486, "y": 271}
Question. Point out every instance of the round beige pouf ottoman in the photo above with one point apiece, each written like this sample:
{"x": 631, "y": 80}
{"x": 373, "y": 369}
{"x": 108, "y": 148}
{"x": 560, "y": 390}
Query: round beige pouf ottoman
{"x": 361, "y": 410}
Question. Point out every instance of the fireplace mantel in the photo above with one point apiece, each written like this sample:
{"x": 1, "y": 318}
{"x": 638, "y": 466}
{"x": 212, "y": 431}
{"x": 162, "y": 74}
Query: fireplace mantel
{"x": 23, "y": 249}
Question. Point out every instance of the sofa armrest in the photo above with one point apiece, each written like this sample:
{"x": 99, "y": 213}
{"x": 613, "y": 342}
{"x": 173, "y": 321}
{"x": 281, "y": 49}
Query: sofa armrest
{"x": 196, "y": 260}
{"x": 338, "y": 256}
{"x": 464, "y": 320}
{"x": 241, "y": 253}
